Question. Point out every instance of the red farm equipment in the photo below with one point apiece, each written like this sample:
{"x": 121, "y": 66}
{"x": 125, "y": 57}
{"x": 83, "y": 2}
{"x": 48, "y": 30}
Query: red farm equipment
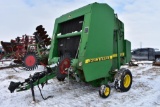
{"x": 28, "y": 51}
{"x": 16, "y": 49}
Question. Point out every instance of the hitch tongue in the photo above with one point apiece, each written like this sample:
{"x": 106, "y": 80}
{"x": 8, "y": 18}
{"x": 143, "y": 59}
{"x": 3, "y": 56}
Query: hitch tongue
{"x": 13, "y": 86}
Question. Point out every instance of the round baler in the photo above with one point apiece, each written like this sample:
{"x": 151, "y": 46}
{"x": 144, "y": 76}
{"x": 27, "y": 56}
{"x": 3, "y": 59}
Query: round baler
{"x": 87, "y": 45}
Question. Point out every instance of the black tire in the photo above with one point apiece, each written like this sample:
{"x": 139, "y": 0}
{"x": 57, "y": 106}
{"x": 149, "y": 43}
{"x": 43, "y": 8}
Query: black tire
{"x": 104, "y": 91}
{"x": 123, "y": 80}
{"x": 59, "y": 76}
{"x": 63, "y": 64}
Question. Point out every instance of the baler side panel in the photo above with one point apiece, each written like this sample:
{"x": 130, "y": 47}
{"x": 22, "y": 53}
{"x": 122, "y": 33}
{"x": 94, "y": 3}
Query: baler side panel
{"x": 100, "y": 42}
{"x": 120, "y": 34}
{"x": 115, "y": 51}
{"x": 118, "y": 43}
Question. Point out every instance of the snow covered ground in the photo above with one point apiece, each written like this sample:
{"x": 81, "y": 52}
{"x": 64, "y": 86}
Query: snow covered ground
{"x": 145, "y": 91}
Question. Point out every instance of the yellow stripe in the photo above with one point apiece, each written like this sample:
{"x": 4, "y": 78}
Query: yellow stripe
{"x": 114, "y": 55}
{"x": 102, "y": 58}
{"x": 122, "y": 54}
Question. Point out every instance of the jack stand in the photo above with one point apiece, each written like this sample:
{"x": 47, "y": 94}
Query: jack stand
{"x": 32, "y": 89}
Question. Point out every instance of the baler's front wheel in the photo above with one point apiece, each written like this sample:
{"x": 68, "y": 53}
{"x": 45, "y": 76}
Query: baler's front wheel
{"x": 63, "y": 65}
{"x": 104, "y": 91}
{"x": 123, "y": 80}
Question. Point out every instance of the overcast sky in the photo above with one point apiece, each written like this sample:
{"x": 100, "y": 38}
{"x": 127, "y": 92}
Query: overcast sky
{"x": 141, "y": 17}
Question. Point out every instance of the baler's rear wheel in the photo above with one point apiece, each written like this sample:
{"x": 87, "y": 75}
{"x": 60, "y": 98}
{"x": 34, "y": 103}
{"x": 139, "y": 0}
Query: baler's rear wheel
{"x": 30, "y": 61}
{"x": 123, "y": 80}
{"x": 63, "y": 65}
{"x": 104, "y": 91}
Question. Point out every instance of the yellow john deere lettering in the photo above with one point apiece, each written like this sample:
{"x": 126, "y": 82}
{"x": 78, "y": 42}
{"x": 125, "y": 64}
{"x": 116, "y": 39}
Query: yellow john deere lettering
{"x": 114, "y": 55}
{"x": 98, "y": 59}
{"x": 102, "y": 58}
{"x": 122, "y": 54}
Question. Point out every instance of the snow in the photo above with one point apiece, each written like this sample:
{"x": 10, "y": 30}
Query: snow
{"x": 143, "y": 93}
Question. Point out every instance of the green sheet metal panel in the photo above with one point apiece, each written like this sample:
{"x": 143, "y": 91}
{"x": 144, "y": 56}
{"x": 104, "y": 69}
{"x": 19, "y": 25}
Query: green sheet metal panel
{"x": 120, "y": 36}
{"x": 100, "y": 42}
{"x": 118, "y": 42}
{"x": 84, "y": 38}
{"x": 127, "y": 46}
{"x": 115, "y": 50}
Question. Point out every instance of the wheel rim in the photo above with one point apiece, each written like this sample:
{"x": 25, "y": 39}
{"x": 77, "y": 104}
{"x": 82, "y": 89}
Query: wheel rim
{"x": 64, "y": 64}
{"x": 30, "y": 60}
{"x": 106, "y": 91}
{"x": 127, "y": 81}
